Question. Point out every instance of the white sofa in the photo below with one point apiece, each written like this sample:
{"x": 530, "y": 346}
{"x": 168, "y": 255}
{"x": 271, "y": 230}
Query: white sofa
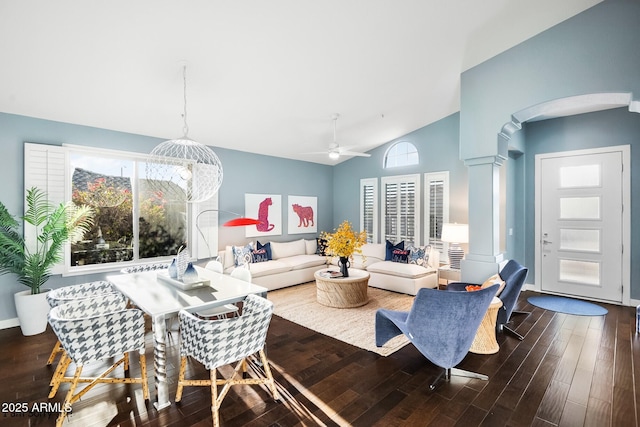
{"x": 396, "y": 276}
{"x": 295, "y": 262}
{"x": 292, "y": 263}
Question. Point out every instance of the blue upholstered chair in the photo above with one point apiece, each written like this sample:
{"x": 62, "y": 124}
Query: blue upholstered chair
{"x": 442, "y": 326}
{"x": 514, "y": 276}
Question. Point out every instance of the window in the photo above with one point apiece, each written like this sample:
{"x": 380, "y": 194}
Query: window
{"x": 436, "y": 206}
{"x": 369, "y": 208}
{"x": 134, "y": 222}
{"x": 402, "y": 153}
{"x": 401, "y": 210}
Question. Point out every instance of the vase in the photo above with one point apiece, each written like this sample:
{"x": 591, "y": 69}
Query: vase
{"x": 173, "y": 270}
{"x": 344, "y": 265}
{"x": 182, "y": 260}
{"x": 190, "y": 274}
{"x": 32, "y": 311}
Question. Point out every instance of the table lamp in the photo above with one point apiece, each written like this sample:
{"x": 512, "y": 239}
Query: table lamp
{"x": 455, "y": 234}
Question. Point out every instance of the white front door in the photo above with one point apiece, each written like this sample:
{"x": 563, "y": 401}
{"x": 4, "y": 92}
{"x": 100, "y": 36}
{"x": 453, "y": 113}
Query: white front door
{"x": 581, "y": 225}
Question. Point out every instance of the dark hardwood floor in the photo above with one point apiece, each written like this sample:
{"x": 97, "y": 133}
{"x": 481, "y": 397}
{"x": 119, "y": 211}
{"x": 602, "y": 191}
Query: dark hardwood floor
{"x": 568, "y": 371}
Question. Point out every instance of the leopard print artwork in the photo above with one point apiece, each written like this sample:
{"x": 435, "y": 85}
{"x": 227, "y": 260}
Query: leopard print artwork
{"x": 263, "y": 216}
{"x": 305, "y": 213}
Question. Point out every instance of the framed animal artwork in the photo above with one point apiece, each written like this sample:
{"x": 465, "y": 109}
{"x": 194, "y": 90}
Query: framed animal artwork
{"x": 302, "y": 214}
{"x": 267, "y": 208}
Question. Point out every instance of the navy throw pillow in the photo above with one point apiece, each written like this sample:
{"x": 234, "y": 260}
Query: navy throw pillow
{"x": 259, "y": 255}
{"x": 266, "y": 247}
{"x": 391, "y": 247}
{"x": 400, "y": 255}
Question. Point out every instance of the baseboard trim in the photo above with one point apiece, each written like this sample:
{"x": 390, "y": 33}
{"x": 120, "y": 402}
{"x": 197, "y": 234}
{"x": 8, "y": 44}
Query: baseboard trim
{"x": 632, "y": 302}
{"x": 9, "y": 323}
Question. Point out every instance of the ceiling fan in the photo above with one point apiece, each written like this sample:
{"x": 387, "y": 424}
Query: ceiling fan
{"x": 335, "y": 151}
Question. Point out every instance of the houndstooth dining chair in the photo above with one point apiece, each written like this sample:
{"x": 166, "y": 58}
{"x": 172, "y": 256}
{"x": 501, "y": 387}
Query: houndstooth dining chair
{"x": 222, "y": 342}
{"x": 94, "y": 329}
{"x": 144, "y": 267}
{"x": 74, "y": 292}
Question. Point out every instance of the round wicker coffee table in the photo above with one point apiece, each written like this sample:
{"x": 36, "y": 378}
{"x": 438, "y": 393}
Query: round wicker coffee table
{"x": 485, "y": 340}
{"x": 342, "y": 292}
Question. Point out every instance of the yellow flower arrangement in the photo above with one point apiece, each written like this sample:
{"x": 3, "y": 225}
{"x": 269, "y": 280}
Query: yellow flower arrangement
{"x": 344, "y": 241}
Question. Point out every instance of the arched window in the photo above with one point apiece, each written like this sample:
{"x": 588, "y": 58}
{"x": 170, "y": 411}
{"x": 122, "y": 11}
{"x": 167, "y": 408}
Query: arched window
{"x": 402, "y": 153}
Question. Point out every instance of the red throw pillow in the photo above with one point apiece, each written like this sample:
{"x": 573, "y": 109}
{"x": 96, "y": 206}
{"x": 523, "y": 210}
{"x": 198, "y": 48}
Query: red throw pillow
{"x": 471, "y": 288}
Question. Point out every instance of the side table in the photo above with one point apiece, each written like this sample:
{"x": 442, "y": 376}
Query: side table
{"x": 485, "y": 340}
{"x": 447, "y": 274}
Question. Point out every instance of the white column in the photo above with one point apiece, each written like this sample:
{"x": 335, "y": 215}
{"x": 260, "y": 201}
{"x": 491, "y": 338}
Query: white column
{"x": 484, "y": 256}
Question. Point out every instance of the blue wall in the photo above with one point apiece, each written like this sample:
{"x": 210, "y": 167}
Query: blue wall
{"x": 438, "y": 149}
{"x": 243, "y": 173}
{"x": 593, "y": 130}
{"x": 593, "y": 52}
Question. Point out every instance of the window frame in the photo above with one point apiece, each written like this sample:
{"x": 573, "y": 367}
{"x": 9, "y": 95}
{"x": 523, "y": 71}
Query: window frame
{"x": 372, "y": 236}
{"x": 405, "y": 163}
{"x": 430, "y": 177}
{"x": 41, "y": 174}
{"x": 399, "y": 180}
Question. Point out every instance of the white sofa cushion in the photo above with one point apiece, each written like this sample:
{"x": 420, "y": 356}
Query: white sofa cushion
{"x": 266, "y": 268}
{"x": 399, "y": 269}
{"x": 298, "y": 262}
{"x": 311, "y": 246}
{"x": 287, "y": 249}
{"x": 374, "y": 250}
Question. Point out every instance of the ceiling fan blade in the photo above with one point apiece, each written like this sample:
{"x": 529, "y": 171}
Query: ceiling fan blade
{"x": 353, "y": 153}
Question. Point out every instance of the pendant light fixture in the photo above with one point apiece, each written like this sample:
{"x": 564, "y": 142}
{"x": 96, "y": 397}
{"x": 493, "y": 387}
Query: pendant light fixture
{"x": 183, "y": 169}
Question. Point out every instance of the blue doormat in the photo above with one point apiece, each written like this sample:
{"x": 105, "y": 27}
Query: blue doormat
{"x": 567, "y": 305}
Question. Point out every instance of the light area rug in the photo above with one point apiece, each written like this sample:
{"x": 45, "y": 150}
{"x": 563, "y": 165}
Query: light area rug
{"x": 355, "y": 326}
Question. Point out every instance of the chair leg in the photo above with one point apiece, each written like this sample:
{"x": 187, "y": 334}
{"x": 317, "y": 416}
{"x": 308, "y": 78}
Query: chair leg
{"x": 69, "y": 399}
{"x": 143, "y": 374}
{"x": 504, "y": 327}
{"x": 267, "y": 370}
{"x": 183, "y": 367}
{"x": 54, "y": 352}
{"x": 215, "y": 405}
{"x": 58, "y": 375}
{"x": 468, "y": 374}
{"x": 446, "y": 374}
{"x": 512, "y": 332}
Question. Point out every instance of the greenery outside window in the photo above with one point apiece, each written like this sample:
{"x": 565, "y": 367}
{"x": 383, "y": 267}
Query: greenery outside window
{"x": 134, "y": 222}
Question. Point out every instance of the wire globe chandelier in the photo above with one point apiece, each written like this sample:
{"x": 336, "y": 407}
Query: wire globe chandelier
{"x": 183, "y": 169}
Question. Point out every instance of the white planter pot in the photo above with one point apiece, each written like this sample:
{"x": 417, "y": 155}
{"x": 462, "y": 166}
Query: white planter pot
{"x": 32, "y": 311}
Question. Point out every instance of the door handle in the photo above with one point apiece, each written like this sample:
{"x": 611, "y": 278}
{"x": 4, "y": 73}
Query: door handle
{"x": 546, "y": 242}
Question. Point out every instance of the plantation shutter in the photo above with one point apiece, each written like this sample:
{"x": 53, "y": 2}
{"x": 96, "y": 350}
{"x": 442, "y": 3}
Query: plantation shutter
{"x": 435, "y": 213}
{"x": 391, "y": 212}
{"x": 401, "y": 210}
{"x": 369, "y": 208}
{"x": 44, "y": 168}
{"x": 437, "y": 199}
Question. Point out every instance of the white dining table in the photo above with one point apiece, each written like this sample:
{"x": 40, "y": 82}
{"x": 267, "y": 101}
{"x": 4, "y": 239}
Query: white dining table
{"x": 161, "y": 300}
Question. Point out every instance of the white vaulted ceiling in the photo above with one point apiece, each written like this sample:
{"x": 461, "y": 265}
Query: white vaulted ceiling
{"x": 263, "y": 76}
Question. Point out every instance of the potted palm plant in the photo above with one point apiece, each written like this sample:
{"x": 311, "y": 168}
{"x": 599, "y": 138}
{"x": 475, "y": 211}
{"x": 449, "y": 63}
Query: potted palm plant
{"x": 33, "y": 263}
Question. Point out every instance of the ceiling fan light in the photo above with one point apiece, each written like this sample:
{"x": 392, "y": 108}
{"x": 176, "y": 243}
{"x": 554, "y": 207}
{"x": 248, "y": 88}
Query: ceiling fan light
{"x": 334, "y": 155}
